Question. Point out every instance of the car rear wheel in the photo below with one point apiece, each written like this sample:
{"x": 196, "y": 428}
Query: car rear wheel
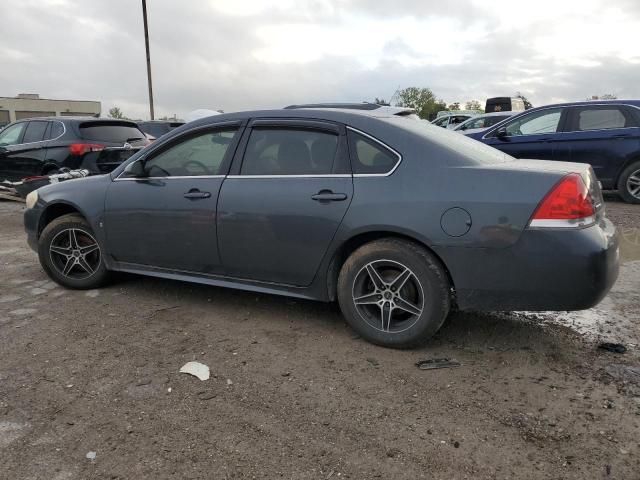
{"x": 70, "y": 253}
{"x": 394, "y": 293}
{"x": 629, "y": 183}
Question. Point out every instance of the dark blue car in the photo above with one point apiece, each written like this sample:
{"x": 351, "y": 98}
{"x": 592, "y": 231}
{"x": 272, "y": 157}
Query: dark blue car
{"x": 604, "y": 134}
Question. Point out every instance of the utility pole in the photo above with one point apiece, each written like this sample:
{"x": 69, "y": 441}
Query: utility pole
{"x": 146, "y": 43}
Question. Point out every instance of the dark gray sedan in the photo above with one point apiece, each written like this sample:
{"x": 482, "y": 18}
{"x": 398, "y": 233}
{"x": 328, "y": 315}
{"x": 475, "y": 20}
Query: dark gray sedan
{"x": 398, "y": 220}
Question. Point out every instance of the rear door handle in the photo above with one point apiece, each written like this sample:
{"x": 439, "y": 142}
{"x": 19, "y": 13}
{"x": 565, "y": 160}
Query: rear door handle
{"x": 329, "y": 196}
{"x": 194, "y": 193}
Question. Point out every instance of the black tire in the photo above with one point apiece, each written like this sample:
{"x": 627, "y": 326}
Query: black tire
{"x": 425, "y": 290}
{"x": 623, "y": 183}
{"x": 57, "y": 251}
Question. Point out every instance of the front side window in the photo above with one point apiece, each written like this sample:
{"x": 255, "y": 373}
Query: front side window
{"x": 369, "y": 156}
{"x": 11, "y": 135}
{"x": 286, "y": 151}
{"x": 544, "y": 121}
{"x": 34, "y": 132}
{"x": 441, "y": 122}
{"x": 601, "y": 119}
{"x": 198, "y": 155}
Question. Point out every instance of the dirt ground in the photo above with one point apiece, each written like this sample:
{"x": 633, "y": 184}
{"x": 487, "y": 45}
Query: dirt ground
{"x": 294, "y": 394}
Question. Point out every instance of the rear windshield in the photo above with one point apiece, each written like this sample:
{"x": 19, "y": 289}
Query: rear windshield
{"x": 114, "y": 132}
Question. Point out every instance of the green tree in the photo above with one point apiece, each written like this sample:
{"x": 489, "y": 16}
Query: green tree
{"x": 527, "y": 103}
{"x": 454, "y": 106}
{"x": 422, "y": 100}
{"x": 381, "y": 101}
{"x": 115, "y": 112}
{"x": 473, "y": 105}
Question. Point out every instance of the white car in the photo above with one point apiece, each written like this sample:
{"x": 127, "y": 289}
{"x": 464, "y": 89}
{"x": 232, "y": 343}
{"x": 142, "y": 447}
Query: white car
{"x": 451, "y": 121}
{"x": 482, "y": 122}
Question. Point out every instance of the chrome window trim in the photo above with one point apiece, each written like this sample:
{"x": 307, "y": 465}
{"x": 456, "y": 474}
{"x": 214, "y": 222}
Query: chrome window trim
{"x": 328, "y": 175}
{"x": 118, "y": 179}
{"x": 395, "y": 152}
{"x": 64, "y": 130}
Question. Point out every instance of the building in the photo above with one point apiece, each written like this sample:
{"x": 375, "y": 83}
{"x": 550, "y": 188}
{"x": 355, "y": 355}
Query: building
{"x": 27, "y": 105}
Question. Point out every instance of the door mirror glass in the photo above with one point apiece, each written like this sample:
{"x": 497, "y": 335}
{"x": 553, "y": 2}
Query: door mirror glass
{"x": 501, "y": 132}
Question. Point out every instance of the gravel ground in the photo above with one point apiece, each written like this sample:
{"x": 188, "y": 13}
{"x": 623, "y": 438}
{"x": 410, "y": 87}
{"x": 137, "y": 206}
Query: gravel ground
{"x": 295, "y": 394}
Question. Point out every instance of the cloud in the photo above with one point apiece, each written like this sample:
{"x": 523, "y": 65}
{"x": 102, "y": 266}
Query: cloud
{"x": 268, "y": 53}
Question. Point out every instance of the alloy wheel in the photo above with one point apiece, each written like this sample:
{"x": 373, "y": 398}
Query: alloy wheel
{"x": 75, "y": 253}
{"x": 388, "y": 296}
{"x": 633, "y": 184}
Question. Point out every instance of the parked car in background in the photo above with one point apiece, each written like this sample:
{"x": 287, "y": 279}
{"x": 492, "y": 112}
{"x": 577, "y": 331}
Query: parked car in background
{"x": 397, "y": 220}
{"x": 482, "y": 122}
{"x": 154, "y": 129}
{"x": 452, "y": 119}
{"x": 504, "y": 104}
{"x": 604, "y": 134}
{"x": 42, "y": 146}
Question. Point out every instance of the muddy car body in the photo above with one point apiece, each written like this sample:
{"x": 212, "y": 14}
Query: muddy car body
{"x": 398, "y": 220}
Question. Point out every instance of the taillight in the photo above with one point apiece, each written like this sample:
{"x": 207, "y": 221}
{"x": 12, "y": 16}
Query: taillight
{"x": 568, "y": 204}
{"x": 82, "y": 148}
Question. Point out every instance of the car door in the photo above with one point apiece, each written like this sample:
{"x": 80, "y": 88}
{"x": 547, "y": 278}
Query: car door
{"x": 290, "y": 189}
{"x": 534, "y": 135}
{"x": 161, "y": 211}
{"x": 606, "y": 136}
{"x": 27, "y": 158}
{"x": 10, "y": 138}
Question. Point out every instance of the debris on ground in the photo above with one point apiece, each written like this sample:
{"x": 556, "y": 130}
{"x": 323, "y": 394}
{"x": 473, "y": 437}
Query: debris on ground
{"x": 433, "y": 363}
{"x": 627, "y": 376}
{"x": 613, "y": 347}
{"x": 197, "y": 369}
{"x": 91, "y": 455}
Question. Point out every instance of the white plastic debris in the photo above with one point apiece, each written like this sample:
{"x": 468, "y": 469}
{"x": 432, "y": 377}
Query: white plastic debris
{"x": 91, "y": 455}
{"x": 196, "y": 369}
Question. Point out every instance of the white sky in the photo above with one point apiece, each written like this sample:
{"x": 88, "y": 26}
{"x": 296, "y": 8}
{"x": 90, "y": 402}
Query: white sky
{"x": 241, "y": 54}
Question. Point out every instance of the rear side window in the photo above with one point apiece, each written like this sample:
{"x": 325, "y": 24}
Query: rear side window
{"x": 370, "y": 157}
{"x": 34, "y": 132}
{"x": 285, "y": 151}
{"x": 57, "y": 129}
{"x": 111, "y": 132}
{"x": 602, "y": 119}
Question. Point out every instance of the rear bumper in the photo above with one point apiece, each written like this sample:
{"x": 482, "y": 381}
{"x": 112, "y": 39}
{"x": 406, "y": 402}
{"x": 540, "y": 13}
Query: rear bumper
{"x": 547, "y": 269}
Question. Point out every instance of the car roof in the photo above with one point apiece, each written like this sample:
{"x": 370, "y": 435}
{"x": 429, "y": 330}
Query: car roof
{"x": 635, "y": 103}
{"x": 70, "y": 119}
{"x": 366, "y": 108}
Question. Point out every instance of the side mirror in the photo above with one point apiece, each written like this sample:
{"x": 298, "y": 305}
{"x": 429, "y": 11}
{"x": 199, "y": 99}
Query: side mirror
{"x": 135, "y": 169}
{"x": 501, "y": 132}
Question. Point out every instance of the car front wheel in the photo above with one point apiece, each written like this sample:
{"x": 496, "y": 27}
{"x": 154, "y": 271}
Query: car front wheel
{"x": 394, "y": 293}
{"x": 70, "y": 253}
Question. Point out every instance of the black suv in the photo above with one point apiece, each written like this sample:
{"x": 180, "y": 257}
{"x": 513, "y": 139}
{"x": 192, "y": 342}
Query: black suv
{"x": 157, "y": 128}
{"x": 42, "y": 146}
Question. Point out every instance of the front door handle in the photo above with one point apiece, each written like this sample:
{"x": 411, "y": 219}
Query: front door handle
{"x": 328, "y": 196}
{"x": 194, "y": 193}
